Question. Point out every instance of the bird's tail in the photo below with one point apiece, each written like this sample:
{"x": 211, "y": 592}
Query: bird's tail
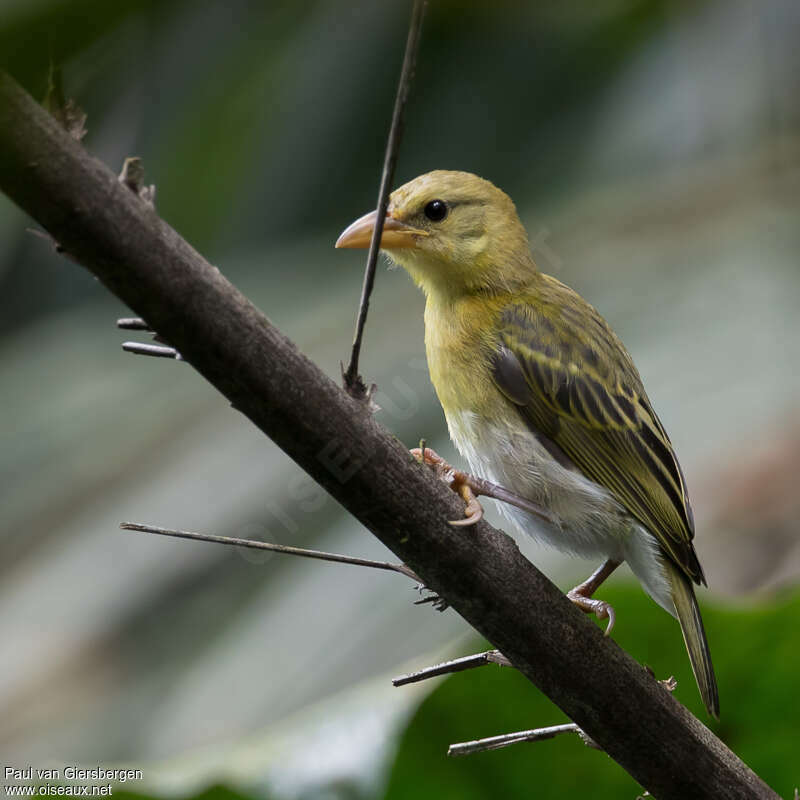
{"x": 694, "y": 636}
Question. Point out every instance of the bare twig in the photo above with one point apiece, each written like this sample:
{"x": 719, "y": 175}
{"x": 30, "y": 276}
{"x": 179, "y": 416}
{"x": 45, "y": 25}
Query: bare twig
{"x": 433, "y": 599}
{"x": 353, "y": 382}
{"x": 255, "y": 544}
{"x": 133, "y": 324}
{"x": 456, "y": 665}
{"x": 161, "y": 350}
{"x": 157, "y": 350}
{"x": 506, "y": 739}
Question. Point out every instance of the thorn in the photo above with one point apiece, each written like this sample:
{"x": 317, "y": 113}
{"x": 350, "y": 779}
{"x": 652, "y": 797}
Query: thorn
{"x": 670, "y": 684}
{"x": 133, "y": 324}
{"x": 158, "y": 351}
{"x": 71, "y": 117}
{"x": 132, "y": 176}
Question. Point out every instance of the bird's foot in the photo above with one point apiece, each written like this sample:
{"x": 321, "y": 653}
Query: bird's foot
{"x": 581, "y": 595}
{"x": 589, "y": 605}
{"x": 460, "y": 482}
{"x": 469, "y": 488}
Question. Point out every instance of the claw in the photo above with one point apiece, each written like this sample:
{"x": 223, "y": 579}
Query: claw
{"x": 599, "y": 608}
{"x": 582, "y": 595}
{"x": 607, "y": 611}
{"x": 469, "y": 487}
{"x": 458, "y": 481}
{"x": 473, "y": 512}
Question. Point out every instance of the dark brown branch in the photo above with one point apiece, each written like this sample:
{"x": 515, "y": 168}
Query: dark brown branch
{"x": 255, "y": 544}
{"x": 481, "y": 574}
{"x": 353, "y": 382}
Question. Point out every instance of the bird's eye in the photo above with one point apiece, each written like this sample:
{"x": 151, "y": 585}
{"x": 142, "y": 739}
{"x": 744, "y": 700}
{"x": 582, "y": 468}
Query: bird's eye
{"x": 436, "y": 210}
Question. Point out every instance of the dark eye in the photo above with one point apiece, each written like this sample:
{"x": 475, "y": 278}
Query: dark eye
{"x": 436, "y": 210}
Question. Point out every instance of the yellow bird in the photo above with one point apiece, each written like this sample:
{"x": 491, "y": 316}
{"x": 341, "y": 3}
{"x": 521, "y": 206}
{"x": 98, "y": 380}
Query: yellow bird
{"x": 542, "y": 398}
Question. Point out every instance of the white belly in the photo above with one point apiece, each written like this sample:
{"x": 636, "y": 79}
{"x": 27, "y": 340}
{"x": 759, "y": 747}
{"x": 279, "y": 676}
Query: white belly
{"x": 591, "y": 523}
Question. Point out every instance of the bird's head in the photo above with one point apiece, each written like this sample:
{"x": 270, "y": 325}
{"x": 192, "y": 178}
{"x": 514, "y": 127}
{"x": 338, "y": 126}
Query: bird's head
{"x": 453, "y": 232}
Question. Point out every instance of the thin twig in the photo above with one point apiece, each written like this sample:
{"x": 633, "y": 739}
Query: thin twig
{"x": 133, "y": 324}
{"x": 140, "y": 349}
{"x": 506, "y": 739}
{"x": 456, "y": 665}
{"x": 157, "y": 350}
{"x": 275, "y": 548}
{"x": 353, "y": 382}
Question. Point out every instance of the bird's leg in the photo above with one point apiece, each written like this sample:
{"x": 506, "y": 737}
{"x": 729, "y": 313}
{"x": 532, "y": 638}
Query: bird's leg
{"x": 581, "y": 595}
{"x": 469, "y": 487}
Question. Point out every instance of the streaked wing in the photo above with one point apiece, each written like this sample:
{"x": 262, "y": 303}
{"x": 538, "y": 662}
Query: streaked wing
{"x": 574, "y": 383}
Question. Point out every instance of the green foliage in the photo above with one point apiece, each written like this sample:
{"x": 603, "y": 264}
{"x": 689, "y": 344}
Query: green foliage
{"x": 56, "y": 30}
{"x": 755, "y": 658}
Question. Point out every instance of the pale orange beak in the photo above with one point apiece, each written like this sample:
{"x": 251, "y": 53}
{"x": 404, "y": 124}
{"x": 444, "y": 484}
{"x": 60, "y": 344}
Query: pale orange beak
{"x": 395, "y": 233}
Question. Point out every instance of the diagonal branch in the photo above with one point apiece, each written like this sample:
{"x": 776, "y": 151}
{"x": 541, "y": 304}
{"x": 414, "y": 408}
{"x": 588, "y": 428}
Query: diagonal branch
{"x": 481, "y": 574}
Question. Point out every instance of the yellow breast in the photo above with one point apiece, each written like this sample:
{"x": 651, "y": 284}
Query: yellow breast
{"x": 459, "y": 342}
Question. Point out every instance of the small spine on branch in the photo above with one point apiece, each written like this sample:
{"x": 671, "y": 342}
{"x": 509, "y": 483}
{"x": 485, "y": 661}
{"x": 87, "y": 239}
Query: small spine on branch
{"x": 506, "y": 739}
{"x": 155, "y": 350}
{"x": 456, "y": 665}
{"x": 161, "y": 350}
{"x": 255, "y": 544}
{"x": 132, "y": 176}
{"x": 133, "y": 324}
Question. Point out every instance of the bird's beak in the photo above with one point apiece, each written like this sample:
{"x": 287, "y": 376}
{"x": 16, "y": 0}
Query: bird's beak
{"x": 395, "y": 233}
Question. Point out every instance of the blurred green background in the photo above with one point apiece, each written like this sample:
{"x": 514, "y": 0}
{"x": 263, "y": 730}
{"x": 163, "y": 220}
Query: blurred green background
{"x": 653, "y": 150}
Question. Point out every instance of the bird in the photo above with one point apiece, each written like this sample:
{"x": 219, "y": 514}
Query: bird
{"x": 542, "y": 399}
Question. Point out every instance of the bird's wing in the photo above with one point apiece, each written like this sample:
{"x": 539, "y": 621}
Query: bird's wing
{"x": 574, "y": 383}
